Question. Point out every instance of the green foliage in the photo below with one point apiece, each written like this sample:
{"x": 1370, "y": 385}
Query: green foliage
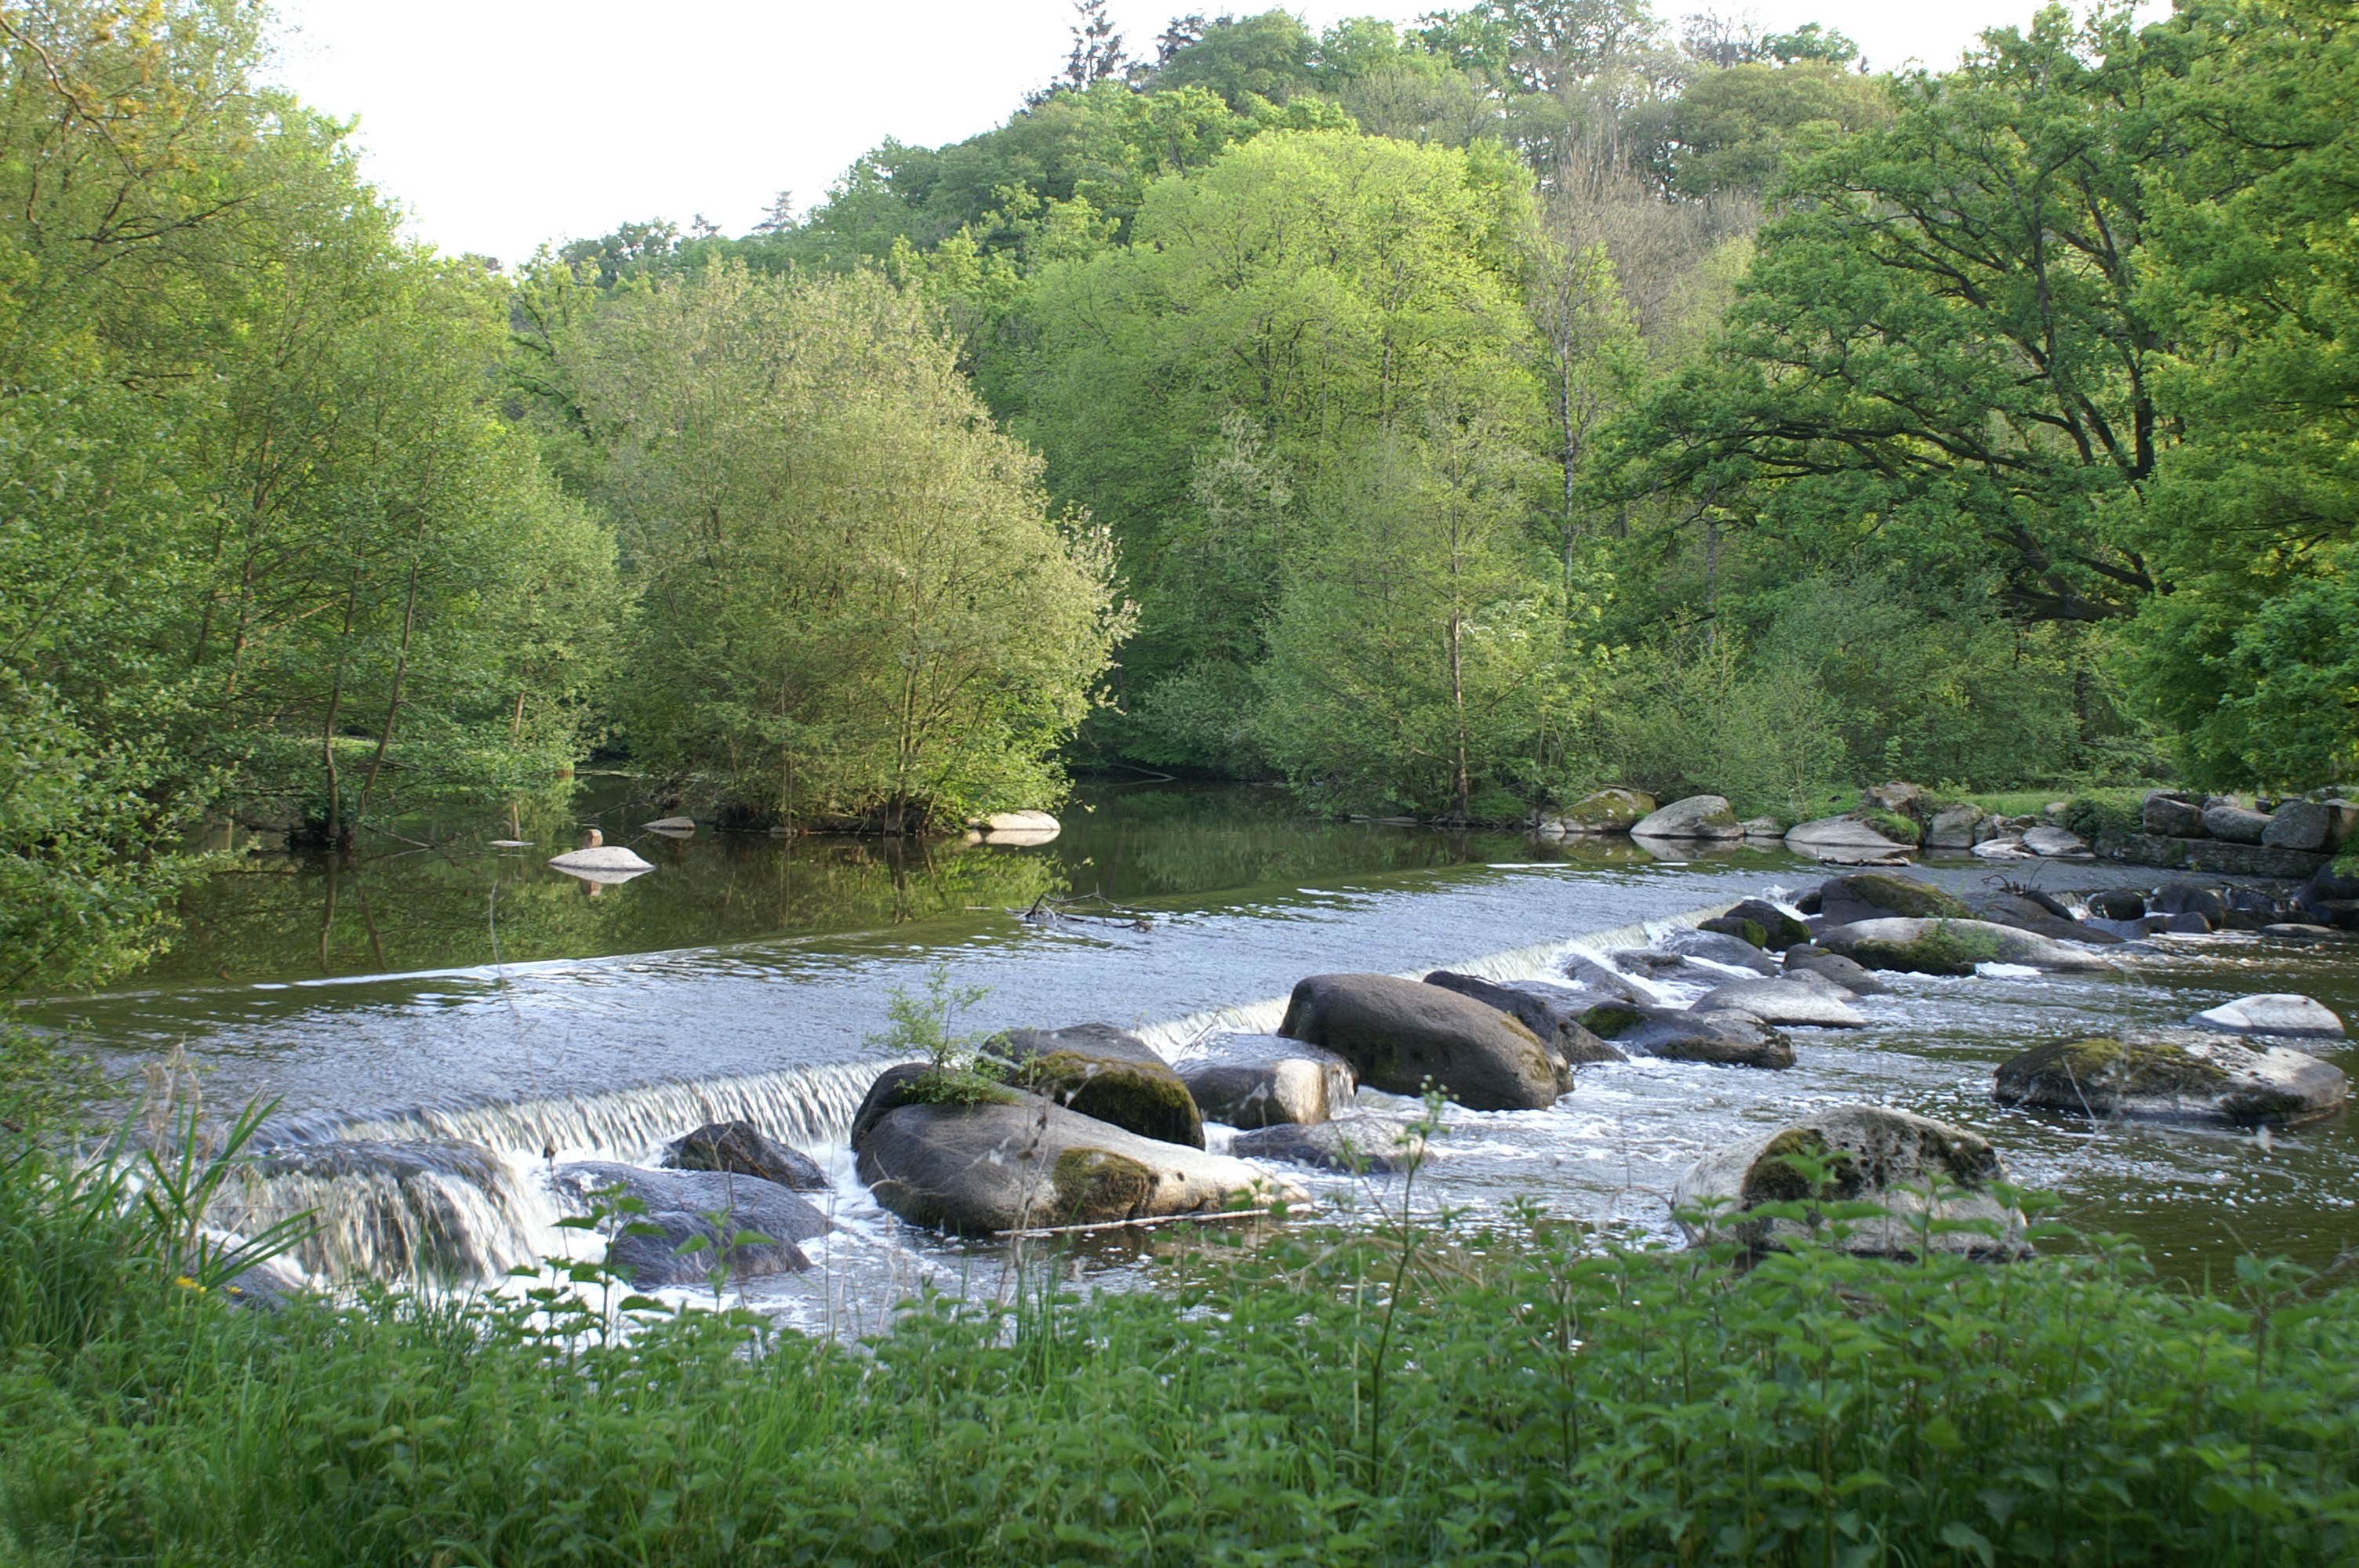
{"x": 1689, "y": 715}
{"x": 1409, "y": 1393}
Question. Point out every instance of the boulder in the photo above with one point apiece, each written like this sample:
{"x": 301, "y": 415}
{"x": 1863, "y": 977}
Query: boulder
{"x": 1718, "y": 947}
{"x": 1361, "y": 1144}
{"x": 1601, "y": 811}
{"x": 739, "y": 1148}
{"x": 1899, "y": 799}
{"x": 680, "y": 1206}
{"x": 670, "y": 825}
{"x": 1675, "y": 1034}
{"x": 1106, "y": 1072}
{"x": 1920, "y": 1172}
{"x": 1959, "y": 826}
{"x": 2313, "y": 825}
{"x": 2117, "y": 903}
{"x": 1785, "y": 1002}
{"x": 980, "y": 1170}
{"x": 1264, "y": 1080}
{"x": 1835, "y": 968}
{"x": 2171, "y": 1079}
{"x": 2279, "y": 1013}
{"x": 2236, "y": 824}
{"x": 1763, "y": 828}
{"x": 2052, "y": 843}
{"x": 1553, "y": 1016}
{"x": 1850, "y": 837}
{"x": 1584, "y": 973}
{"x": 1952, "y": 946}
{"x": 2188, "y": 897}
{"x": 1399, "y": 1035}
{"x": 1668, "y": 969}
{"x": 600, "y": 857}
{"x": 1020, "y": 822}
{"x": 2031, "y": 910}
{"x": 2009, "y": 847}
{"x": 2170, "y": 814}
{"x": 914, "y": 1083}
{"x": 1872, "y": 895}
{"x": 1752, "y": 933}
{"x": 1779, "y": 930}
{"x": 1697, "y": 816}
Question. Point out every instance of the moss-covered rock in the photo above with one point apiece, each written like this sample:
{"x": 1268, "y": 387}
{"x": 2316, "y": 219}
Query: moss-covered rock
{"x": 1878, "y": 895}
{"x": 2168, "y": 1079}
{"x": 1601, "y": 811}
{"x": 1676, "y": 1035}
{"x": 1106, "y": 1072}
{"x": 1751, "y": 932}
{"x": 1952, "y": 946}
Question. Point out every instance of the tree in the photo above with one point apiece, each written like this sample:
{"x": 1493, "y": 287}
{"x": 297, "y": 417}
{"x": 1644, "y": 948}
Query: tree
{"x": 857, "y": 606}
{"x": 1097, "y": 47}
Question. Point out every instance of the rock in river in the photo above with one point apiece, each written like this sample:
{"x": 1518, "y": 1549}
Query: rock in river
{"x": 678, "y": 1205}
{"x": 1874, "y": 895}
{"x": 2282, "y": 1012}
{"x": 2170, "y": 1079}
{"x": 1023, "y": 1162}
{"x": 1399, "y": 1035}
{"x": 1264, "y": 1080}
{"x": 1777, "y": 930}
{"x": 740, "y": 1148}
{"x": 1914, "y": 1168}
{"x": 1697, "y": 816}
{"x": 1553, "y": 1014}
{"x": 1603, "y": 811}
{"x": 1104, "y": 1071}
{"x": 600, "y": 857}
{"x": 1952, "y": 946}
{"x": 1847, "y": 838}
{"x": 1360, "y": 1144}
{"x": 1816, "y": 961}
{"x": 1793, "y": 1002}
{"x": 1676, "y": 1035}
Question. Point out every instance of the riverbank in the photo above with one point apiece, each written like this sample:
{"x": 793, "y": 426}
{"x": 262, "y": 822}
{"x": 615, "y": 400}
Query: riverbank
{"x": 1493, "y": 1394}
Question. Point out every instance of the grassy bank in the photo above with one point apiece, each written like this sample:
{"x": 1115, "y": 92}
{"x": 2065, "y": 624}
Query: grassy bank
{"x": 1330, "y": 1399}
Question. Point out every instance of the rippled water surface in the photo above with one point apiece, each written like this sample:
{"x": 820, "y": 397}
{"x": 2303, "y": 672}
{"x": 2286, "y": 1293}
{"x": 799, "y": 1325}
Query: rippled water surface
{"x": 469, "y": 992}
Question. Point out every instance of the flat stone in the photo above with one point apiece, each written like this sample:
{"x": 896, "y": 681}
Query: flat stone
{"x": 1697, "y": 816}
{"x": 2009, "y": 847}
{"x": 1952, "y": 946}
{"x": 1718, "y": 947}
{"x": 1844, "y": 838}
{"x": 2057, "y": 843}
{"x": 2279, "y": 1013}
{"x": 2168, "y": 1079}
{"x": 1783, "y": 1002}
{"x": 605, "y": 858}
{"x": 1835, "y": 968}
{"x": 1922, "y": 1174}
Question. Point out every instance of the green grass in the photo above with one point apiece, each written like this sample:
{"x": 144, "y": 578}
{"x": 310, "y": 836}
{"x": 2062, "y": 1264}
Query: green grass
{"x": 1396, "y": 1396}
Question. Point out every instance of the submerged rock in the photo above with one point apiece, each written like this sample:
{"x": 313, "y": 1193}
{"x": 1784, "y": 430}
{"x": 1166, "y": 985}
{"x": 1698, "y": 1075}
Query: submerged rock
{"x": 2280, "y": 1013}
{"x": 680, "y": 1206}
{"x": 2172, "y": 1080}
{"x": 1952, "y": 946}
{"x": 1553, "y": 1019}
{"x": 1361, "y": 1144}
{"x": 1400, "y": 1035}
{"x": 740, "y": 1148}
{"x": 1266, "y": 1080}
{"x": 1104, "y": 1071}
{"x": 1791, "y": 1002}
{"x": 1918, "y": 1171}
{"x": 978, "y": 1170}
{"x": 1677, "y": 1035}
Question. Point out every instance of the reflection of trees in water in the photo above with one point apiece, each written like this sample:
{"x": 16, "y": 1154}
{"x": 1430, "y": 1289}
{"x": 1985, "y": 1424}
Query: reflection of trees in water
{"x": 311, "y": 914}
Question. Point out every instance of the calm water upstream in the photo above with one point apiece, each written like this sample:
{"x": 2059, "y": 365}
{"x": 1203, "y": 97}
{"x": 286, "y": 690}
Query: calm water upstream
{"x": 467, "y": 992}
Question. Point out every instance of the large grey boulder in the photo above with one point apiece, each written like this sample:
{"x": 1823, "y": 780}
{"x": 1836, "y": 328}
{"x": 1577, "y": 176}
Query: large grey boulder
{"x": 1918, "y": 1172}
{"x": 1359, "y": 1144}
{"x": 1584, "y": 973}
{"x": 1959, "y": 826}
{"x": 1554, "y": 1018}
{"x": 679, "y": 1208}
{"x": 1785, "y": 1002}
{"x": 1104, "y": 1071}
{"x": 1874, "y": 895}
{"x": 2031, "y": 910}
{"x": 1601, "y": 811}
{"x": 1716, "y": 947}
{"x": 2171, "y": 1079}
{"x": 1952, "y": 946}
{"x": 1697, "y": 816}
{"x": 2236, "y": 824}
{"x": 2320, "y": 826}
{"x": 2279, "y": 1012}
{"x": 1024, "y": 1163}
{"x": 2050, "y": 842}
{"x": 1847, "y": 837}
{"x": 1264, "y": 1080}
{"x": 1677, "y": 1035}
{"x": 1400, "y": 1036}
{"x": 740, "y": 1148}
{"x": 1852, "y": 977}
{"x": 2170, "y": 814}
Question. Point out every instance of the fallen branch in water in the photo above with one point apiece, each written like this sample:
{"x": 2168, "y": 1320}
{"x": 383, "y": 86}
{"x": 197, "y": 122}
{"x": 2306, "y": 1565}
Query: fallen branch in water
{"x": 1049, "y": 910}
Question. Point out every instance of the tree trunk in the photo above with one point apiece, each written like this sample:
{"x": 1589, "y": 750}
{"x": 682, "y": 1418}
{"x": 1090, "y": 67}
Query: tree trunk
{"x": 401, "y": 668}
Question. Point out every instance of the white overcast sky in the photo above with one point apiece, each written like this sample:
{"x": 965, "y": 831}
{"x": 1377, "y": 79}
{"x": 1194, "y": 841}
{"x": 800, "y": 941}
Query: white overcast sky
{"x": 500, "y": 124}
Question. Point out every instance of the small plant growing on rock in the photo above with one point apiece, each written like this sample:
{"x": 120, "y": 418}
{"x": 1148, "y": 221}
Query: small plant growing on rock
{"x": 957, "y": 1072}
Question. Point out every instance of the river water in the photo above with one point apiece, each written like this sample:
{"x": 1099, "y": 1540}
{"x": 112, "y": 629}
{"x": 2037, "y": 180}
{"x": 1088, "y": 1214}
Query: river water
{"x": 468, "y": 992}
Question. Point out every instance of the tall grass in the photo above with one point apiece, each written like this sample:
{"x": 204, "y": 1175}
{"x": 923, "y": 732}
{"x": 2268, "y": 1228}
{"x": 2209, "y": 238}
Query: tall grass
{"x": 1522, "y": 1394}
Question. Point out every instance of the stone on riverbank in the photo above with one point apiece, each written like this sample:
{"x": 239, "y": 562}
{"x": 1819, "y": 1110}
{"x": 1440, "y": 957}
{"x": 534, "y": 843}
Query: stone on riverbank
{"x": 1676, "y": 1035}
{"x": 1106, "y": 1072}
{"x": 1959, "y": 826}
{"x": 2277, "y": 1013}
{"x": 1697, "y": 816}
{"x": 740, "y": 1148}
{"x": 978, "y": 1170}
{"x": 2170, "y": 814}
{"x": 2053, "y": 843}
{"x": 2168, "y": 1079}
{"x": 1601, "y": 811}
{"x": 1398, "y": 1035}
{"x": 1916, "y": 1169}
{"x": 1264, "y": 1080}
{"x": 1554, "y": 1019}
{"x": 1952, "y": 946}
{"x": 1848, "y": 838}
{"x": 1795, "y": 1002}
{"x": 2225, "y": 820}
{"x": 678, "y": 1203}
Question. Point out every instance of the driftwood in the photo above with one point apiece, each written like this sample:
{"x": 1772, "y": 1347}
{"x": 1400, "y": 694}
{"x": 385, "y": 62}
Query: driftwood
{"x": 1050, "y": 910}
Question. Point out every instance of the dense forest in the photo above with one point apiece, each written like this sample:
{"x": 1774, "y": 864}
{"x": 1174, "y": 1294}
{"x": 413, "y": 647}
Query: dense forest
{"x": 1443, "y": 418}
